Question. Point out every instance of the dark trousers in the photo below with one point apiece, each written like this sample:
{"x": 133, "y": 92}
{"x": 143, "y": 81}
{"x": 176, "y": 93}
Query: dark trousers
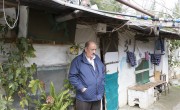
{"x": 81, "y": 105}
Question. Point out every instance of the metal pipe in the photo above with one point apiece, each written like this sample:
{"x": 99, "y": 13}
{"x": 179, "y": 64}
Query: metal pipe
{"x": 135, "y": 7}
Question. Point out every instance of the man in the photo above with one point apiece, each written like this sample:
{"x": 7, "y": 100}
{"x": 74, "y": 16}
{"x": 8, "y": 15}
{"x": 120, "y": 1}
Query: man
{"x": 87, "y": 76}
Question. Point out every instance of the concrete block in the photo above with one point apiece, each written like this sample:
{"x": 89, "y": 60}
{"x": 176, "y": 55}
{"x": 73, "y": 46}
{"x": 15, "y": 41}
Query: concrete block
{"x": 142, "y": 98}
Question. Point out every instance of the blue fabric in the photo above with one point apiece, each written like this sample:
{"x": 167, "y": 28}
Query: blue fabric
{"x": 156, "y": 58}
{"x": 82, "y": 75}
{"x": 160, "y": 45}
{"x": 131, "y": 58}
{"x": 111, "y": 89}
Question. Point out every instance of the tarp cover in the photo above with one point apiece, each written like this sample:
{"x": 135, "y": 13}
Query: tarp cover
{"x": 111, "y": 91}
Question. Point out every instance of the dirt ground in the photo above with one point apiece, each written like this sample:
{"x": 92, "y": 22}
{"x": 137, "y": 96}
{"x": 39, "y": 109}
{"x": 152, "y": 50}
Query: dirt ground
{"x": 169, "y": 102}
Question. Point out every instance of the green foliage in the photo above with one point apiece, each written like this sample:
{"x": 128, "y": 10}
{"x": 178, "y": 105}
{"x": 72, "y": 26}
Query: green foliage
{"x": 163, "y": 14}
{"x": 23, "y": 102}
{"x": 4, "y": 27}
{"x": 108, "y": 5}
{"x": 4, "y": 102}
{"x": 68, "y": 85}
{"x": 173, "y": 45}
{"x": 54, "y": 101}
{"x": 153, "y": 5}
{"x": 14, "y": 75}
{"x": 34, "y": 85}
{"x": 176, "y": 10}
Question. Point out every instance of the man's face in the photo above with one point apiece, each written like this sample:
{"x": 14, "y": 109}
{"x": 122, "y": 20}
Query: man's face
{"x": 90, "y": 50}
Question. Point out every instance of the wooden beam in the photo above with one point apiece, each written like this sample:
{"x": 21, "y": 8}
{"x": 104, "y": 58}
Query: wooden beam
{"x": 8, "y": 4}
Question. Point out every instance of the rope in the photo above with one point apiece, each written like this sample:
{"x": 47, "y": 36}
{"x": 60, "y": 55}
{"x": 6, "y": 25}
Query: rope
{"x": 11, "y": 27}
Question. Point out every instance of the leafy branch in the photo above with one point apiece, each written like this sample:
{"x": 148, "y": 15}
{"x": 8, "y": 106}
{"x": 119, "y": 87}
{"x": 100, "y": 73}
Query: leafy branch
{"x": 14, "y": 75}
{"x": 60, "y": 100}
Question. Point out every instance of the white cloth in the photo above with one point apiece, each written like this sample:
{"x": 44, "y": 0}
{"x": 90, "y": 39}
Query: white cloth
{"x": 91, "y": 61}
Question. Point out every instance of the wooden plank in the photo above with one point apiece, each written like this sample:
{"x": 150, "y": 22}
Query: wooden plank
{"x": 146, "y": 86}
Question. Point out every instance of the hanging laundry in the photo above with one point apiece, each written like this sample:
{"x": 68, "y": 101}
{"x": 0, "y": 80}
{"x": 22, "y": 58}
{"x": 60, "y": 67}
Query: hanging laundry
{"x": 131, "y": 58}
{"x": 147, "y": 56}
{"x": 156, "y": 58}
{"x": 160, "y": 45}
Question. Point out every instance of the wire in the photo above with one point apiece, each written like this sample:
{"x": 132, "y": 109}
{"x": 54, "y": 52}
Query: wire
{"x": 161, "y": 12}
{"x": 115, "y": 29}
{"x": 11, "y": 27}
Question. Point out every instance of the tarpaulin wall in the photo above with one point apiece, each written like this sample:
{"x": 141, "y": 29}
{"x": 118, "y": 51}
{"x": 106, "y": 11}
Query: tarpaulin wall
{"x": 111, "y": 91}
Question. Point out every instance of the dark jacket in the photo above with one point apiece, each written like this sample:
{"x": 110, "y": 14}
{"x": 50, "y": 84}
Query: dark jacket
{"x": 82, "y": 75}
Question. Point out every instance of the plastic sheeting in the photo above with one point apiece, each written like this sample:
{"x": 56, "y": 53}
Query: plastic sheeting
{"x": 111, "y": 91}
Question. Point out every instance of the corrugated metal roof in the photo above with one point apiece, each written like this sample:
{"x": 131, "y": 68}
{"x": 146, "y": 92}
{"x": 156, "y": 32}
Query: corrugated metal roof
{"x": 47, "y": 5}
{"x": 59, "y": 7}
{"x": 87, "y": 9}
{"x": 146, "y": 29}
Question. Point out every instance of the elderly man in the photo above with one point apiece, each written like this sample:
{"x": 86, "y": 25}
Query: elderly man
{"x": 87, "y": 76}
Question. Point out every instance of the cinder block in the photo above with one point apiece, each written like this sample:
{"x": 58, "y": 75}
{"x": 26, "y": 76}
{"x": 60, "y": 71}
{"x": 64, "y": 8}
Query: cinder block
{"x": 142, "y": 98}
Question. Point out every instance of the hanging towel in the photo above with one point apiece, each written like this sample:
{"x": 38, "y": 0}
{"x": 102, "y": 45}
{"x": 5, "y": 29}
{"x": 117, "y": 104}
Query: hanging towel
{"x": 147, "y": 56}
{"x": 131, "y": 58}
{"x": 160, "y": 45}
{"x": 156, "y": 58}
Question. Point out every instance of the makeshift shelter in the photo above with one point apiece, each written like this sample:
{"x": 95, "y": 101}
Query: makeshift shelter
{"x": 55, "y": 25}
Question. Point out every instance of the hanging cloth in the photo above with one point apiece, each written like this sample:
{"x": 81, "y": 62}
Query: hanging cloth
{"x": 156, "y": 58}
{"x": 160, "y": 45}
{"x": 147, "y": 56}
{"x": 131, "y": 58}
